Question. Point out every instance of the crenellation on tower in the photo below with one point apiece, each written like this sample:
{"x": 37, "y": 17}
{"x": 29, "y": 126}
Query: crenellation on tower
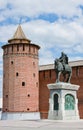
{"x": 20, "y": 48}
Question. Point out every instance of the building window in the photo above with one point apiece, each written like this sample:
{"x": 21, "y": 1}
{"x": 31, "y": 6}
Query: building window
{"x": 6, "y": 96}
{"x": 17, "y": 74}
{"x": 28, "y": 109}
{"x": 36, "y": 84}
{"x": 6, "y": 109}
{"x": 17, "y": 47}
{"x": 23, "y": 83}
{"x": 28, "y": 95}
{"x": 23, "y": 47}
{"x": 11, "y": 62}
{"x": 33, "y": 74}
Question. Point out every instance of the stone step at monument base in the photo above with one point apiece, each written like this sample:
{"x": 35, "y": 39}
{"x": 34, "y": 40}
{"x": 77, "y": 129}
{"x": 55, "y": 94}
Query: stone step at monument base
{"x": 69, "y": 115}
{"x": 20, "y": 116}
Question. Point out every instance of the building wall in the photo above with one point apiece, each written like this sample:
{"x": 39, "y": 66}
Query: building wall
{"x": 20, "y": 78}
{"x": 48, "y": 76}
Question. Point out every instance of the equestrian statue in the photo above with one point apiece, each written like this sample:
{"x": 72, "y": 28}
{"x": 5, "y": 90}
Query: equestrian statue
{"x": 61, "y": 67}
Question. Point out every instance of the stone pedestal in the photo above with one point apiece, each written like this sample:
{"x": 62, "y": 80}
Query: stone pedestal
{"x": 63, "y": 102}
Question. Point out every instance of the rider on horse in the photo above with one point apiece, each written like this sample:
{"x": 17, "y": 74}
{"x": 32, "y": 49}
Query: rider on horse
{"x": 63, "y": 59}
{"x": 61, "y": 66}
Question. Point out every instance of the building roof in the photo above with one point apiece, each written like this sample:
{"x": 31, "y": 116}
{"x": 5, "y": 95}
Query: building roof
{"x": 19, "y": 35}
{"x": 51, "y": 66}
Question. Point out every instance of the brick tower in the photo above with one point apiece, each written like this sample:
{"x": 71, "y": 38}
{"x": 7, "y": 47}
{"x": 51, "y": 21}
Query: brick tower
{"x": 20, "y": 78}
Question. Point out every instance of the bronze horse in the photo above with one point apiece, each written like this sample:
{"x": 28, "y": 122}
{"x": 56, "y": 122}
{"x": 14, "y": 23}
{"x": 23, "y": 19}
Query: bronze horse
{"x": 66, "y": 71}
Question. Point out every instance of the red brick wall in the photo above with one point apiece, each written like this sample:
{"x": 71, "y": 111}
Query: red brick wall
{"x": 48, "y": 76}
{"x": 45, "y": 77}
{"x": 77, "y": 78}
{"x": 20, "y": 64}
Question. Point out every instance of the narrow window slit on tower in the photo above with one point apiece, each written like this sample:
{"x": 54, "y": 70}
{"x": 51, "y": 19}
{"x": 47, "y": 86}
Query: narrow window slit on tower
{"x": 33, "y": 74}
{"x": 17, "y": 47}
{"x": 23, "y": 47}
{"x": 28, "y": 95}
{"x": 28, "y": 109}
{"x": 36, "y": 84}
{"x": 6, "y": 96}
{"x": 17, "y": 73}
{"x": 23, "y": 83}
{"x": 34, "y": 64}
{"x": 11, "y": 62}
{"x": 6, "y": 109}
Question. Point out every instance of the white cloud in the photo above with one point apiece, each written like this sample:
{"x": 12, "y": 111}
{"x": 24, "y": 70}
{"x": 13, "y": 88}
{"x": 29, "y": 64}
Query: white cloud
{"x": 6, "y": 32}
{"x": 3, "y": 4}
{"x": 75, "y": 58}
{"x": 55, "y": 34}
{"x": 28, "y": 8}
{"x": 78, "y": 48}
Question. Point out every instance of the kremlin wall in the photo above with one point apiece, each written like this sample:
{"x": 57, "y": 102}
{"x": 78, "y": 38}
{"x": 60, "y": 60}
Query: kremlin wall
{"x": 25, "y": 92}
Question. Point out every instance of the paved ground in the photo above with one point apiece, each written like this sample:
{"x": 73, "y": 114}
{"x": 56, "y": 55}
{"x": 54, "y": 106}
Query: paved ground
{"x": 41, "y": 125}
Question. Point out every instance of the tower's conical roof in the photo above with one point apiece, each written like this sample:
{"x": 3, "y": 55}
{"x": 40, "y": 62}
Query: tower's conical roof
{"x": 19, "y": 35}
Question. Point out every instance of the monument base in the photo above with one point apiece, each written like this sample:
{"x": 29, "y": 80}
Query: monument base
{"x": 63, "y": 102}
{"x": 20, "y": 116}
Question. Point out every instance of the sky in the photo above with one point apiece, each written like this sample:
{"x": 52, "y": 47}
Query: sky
{"x": 54, "y": 25}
